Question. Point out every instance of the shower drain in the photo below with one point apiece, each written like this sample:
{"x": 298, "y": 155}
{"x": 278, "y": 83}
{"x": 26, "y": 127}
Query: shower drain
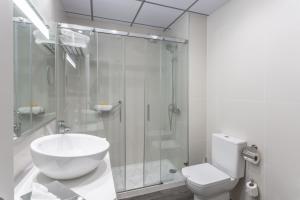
{"x": 172, "y": 171}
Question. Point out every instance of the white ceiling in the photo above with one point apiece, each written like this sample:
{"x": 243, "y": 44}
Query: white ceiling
{"x": 156, "y": 13}
{"x": 183, "y": 4}
{"x": 116, "y": 9}
{"x": 207, "y": 6}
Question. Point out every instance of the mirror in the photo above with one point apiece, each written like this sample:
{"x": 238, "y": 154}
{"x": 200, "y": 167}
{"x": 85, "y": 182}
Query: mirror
{"x": 34, "y": 77}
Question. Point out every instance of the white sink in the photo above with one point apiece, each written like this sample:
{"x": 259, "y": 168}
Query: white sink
{"x": 68, "y": 156}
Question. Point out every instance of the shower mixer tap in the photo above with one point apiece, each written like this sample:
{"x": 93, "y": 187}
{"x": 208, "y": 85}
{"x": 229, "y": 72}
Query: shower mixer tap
{"x": 172, "y": 109}
{"x": 17, "y": 123}
{"x": 62, "y": 128}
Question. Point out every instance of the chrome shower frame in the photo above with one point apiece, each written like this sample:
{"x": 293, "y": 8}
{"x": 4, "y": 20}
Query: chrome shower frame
{"x": 122, "y": 33}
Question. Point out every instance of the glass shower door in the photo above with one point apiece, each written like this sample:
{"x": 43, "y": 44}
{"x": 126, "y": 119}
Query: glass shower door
{"x": 174, "y": 110}
{"x": 135, "y": 53}
{"x": 107, "y": 88}
{"x": 156, "y": 111}
{"x": 152, "y": 146}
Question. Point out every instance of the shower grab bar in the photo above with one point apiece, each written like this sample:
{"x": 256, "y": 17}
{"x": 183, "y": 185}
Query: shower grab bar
{"x": 117, "y": 105}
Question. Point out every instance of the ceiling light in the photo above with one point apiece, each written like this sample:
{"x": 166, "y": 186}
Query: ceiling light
{"x": 70, "y": 60}
{"x": 26, "y": 8}
{"x": 114, "y": 31}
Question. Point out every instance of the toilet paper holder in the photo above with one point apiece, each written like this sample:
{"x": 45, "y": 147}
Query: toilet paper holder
{"x": 251, "y": 154}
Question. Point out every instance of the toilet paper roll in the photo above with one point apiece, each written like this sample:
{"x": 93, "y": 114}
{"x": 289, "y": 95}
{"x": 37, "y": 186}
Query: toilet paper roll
{"x": 253, "y": 161}
{"x": 252, "y": 189}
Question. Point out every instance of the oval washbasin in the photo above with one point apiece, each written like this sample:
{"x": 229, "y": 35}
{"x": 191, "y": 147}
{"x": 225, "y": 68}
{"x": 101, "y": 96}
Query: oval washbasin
{"x": 68, "y": 156}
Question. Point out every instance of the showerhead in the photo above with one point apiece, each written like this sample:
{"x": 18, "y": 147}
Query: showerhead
{"x": 171, "y": 47}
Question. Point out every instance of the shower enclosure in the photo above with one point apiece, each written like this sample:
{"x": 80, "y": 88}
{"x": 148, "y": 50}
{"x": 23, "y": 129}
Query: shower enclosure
{"x": 131, "y": 90}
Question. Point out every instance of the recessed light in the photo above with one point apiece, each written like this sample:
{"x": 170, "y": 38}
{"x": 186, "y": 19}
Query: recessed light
{"x": 155, "y": 37}
{"x": 71, "y": 61}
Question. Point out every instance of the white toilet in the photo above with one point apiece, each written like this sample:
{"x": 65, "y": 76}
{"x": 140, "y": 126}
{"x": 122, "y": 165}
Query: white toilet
{"x": 215, "y": 181}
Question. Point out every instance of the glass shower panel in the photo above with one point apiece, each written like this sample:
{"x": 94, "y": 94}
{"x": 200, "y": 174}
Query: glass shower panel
{"x": 135, "y": 53}
{"x": 73, "y": 60}
{"x": 181, "y": 95}
{"x": 90, "y": 76}
{"x": 107, "y": 88}
{"x": 75, "y": 94}
{"x": 174, "y": 133}
{"x": 152, "y": 157}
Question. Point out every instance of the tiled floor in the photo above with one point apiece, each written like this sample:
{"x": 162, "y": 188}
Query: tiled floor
{"x": 179, "y": 193}
{"x": 136, "y": 177}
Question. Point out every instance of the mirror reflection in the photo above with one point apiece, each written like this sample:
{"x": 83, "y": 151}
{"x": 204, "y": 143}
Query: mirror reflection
{"x": 34, "y": 77}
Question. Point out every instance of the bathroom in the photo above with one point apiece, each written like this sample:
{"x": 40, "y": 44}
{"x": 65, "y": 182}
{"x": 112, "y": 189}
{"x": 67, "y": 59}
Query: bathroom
{"x": 149, "y": 99}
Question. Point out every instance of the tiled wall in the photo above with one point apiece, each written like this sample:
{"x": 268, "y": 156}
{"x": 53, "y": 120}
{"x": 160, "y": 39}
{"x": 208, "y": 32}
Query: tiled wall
{"x": 254, "y": 88}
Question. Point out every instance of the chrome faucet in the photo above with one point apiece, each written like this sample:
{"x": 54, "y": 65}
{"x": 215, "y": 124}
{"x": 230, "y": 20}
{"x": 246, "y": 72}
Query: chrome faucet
{"x": 62, "y": 128}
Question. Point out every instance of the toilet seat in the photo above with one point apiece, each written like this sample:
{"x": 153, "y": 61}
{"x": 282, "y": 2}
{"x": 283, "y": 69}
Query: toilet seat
{"x": 205, "y": 175}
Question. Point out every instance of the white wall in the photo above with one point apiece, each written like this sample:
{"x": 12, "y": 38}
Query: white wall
{"x": 6, "y": 105}
{"x": 50, "y": 10}
{"x": 193, "y": 27}
{"x": 254, "y": 87}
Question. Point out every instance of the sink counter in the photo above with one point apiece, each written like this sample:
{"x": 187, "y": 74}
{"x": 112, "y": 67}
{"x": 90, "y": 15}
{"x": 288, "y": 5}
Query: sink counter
{"x": 96, "y": 185}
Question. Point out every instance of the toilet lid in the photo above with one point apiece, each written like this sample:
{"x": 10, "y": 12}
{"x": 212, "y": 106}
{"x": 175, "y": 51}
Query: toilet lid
{"x": 204, "y": 174}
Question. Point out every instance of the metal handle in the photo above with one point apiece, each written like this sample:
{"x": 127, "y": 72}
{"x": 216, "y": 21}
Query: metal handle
{"x": 119, "y": 104}
{"x": 120, "y": 113}
{"x": 148, "y": 113}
